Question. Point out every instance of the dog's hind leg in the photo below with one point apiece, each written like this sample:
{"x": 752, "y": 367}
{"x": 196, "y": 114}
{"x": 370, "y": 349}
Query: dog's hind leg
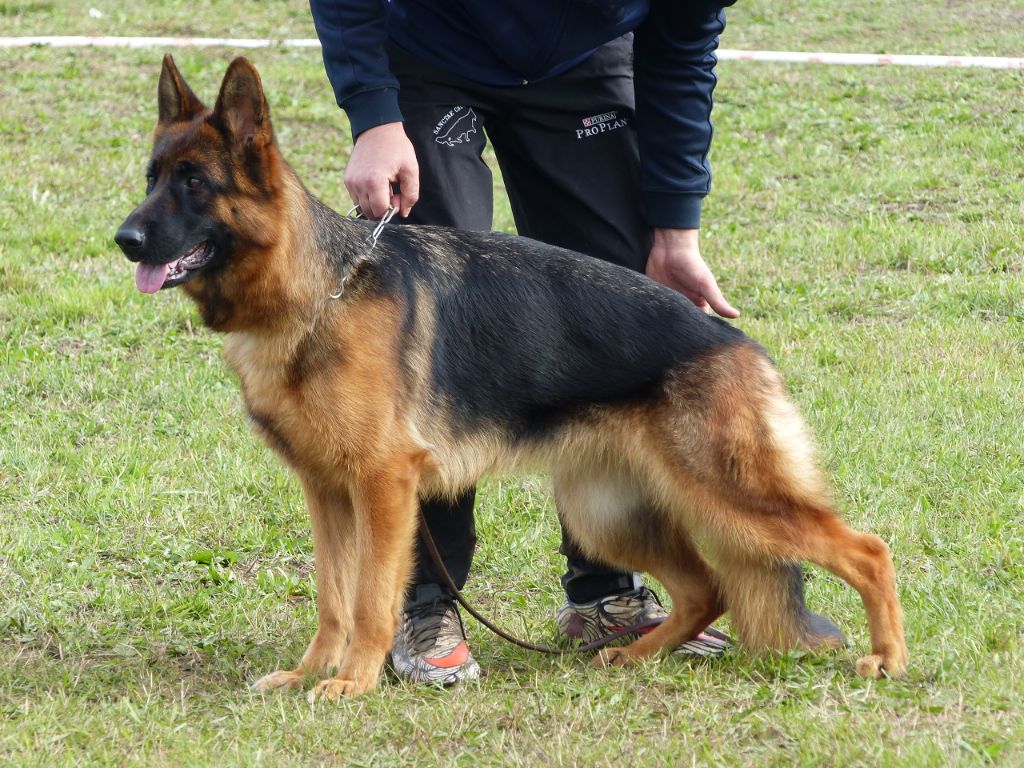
{"x": 733, "y": 462}
{"x": 863, "y": 561}
{"x": 333, "y": 525}
{"x": 611, "y": 519}
{"x": 759, "y": 588}
{"x": 695, "y": 603}
{"x": 384, "y": 501}
{"x": 759, "y": 500}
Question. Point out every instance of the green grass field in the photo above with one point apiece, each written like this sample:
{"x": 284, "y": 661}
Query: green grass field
{"x": 155, "y": 557}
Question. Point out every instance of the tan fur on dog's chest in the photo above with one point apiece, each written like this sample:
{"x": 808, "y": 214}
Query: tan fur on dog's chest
{"x": 332, "y": 387}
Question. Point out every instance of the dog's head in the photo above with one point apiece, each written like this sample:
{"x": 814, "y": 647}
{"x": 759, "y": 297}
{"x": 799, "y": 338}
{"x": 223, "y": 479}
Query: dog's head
{"x": 211, "y": 185}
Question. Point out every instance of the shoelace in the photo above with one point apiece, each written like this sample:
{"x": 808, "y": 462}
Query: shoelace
{"x": 645, "y": 591}
{"x": 425, "y": 620}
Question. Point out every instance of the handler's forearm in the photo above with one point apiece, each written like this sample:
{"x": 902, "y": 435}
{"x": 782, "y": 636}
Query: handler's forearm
{"x": 674, "y": 78}
{"x": 353, "y": 34}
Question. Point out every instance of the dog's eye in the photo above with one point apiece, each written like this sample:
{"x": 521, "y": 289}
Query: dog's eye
{"x": 150, "y": 183}
{"x": 194, "y": 182}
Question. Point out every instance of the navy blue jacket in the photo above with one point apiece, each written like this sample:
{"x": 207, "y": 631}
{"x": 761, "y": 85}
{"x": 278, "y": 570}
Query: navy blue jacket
{"x": 513, "y": 42}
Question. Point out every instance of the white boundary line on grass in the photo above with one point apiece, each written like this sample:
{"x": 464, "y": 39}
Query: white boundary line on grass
{"x": 72, "y": 41}
{"x": 724, "y": 54}
{"x": 875, "y": 59}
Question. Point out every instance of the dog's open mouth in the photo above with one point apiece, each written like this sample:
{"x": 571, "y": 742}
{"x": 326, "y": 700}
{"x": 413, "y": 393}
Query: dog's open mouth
{"x": 150, "y": 278}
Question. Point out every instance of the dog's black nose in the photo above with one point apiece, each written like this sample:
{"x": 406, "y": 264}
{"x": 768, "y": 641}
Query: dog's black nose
{"x": 130, "y": 238}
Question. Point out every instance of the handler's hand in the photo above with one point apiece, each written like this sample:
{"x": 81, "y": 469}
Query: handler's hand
{"x": 383, "y": 156}
{"x": 675, "y": 261}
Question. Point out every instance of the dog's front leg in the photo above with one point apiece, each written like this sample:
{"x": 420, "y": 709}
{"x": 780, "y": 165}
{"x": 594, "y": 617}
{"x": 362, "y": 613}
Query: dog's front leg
{"x": 385, "y": 522}
{"x": 334, "y": 541}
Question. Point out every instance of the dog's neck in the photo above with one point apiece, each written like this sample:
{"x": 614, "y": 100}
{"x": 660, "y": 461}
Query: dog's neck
{"x": 285, "y": 280}
{"x": 285, "y": 288}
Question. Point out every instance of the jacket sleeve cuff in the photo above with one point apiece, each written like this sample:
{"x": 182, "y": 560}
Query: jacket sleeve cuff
{"x": 673, "y": 210}
{"x": 369, "y": 109}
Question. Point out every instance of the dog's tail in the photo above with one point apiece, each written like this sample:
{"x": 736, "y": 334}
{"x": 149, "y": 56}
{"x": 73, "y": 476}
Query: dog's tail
{"x": 771, "y": 505}
{"x": 766, "y": 604}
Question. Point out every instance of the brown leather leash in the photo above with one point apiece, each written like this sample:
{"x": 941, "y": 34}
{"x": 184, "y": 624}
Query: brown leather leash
{"x": 446, "y": 578}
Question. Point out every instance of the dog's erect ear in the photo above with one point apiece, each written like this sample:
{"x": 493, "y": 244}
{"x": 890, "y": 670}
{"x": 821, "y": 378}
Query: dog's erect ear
{"x": 177, "y": 102}
{"x": 242, "y": 106}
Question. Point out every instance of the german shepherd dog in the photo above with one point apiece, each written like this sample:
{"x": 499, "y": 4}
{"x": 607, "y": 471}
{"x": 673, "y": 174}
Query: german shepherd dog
{"x": 410, "y": 368}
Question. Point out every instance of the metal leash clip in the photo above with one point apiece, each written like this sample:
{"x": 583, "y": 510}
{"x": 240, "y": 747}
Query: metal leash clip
{"x": 355, "y": 212}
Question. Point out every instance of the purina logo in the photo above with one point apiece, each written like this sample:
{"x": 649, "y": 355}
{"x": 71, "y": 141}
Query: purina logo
{"x": 595, "y": 124}
{"x": 589, "y": 121}
{"x": 455, "y": 127}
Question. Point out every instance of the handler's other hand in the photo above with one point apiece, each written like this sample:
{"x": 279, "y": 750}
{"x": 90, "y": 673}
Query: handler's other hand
{"x": 675, "y": 261}
{"x": 383, "y": 156}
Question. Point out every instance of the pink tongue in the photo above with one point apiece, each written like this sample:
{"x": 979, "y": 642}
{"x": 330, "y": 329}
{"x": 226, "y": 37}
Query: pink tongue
{"x": 149, "y": 278}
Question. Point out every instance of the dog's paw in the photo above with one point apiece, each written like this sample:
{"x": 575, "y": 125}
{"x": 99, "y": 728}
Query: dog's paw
{"x": 882, "y": 665}
{"x": 283, "y": 678}
{"x": 613, "y": 657}
{"x": 337, "y": 688}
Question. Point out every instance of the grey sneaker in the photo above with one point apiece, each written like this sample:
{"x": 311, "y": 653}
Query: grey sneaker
{"x": 430, "y": 643}
{"x": 586, "y": 622}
